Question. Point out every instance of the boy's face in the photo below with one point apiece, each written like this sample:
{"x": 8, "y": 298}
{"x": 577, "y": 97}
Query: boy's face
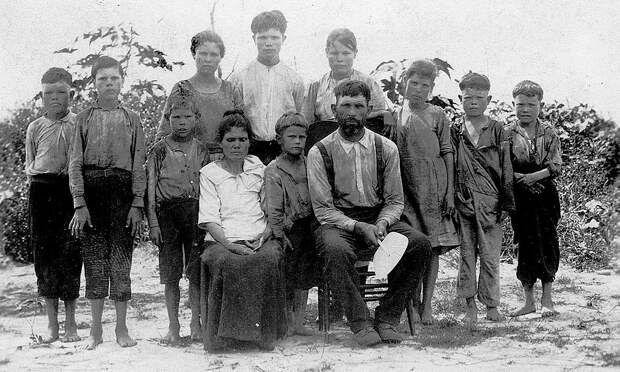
{"x": 527, "y": 108}
{"x": 235, "y": 144}
{"x": 351, "y": 114}
{"x": 475, "y": 101}
{"x": 418, "y": 88}
{"x": 269, "y": 43}
{"x": 182, "y": 122}
{"x": 207, "y": 57}
{"x": 56, "y": 97}
{"x": 293, "y": 140}
{"x": 108, "y": 83}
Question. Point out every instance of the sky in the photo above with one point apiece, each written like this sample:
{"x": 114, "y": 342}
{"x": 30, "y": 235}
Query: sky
{"x": 572, "y": 48}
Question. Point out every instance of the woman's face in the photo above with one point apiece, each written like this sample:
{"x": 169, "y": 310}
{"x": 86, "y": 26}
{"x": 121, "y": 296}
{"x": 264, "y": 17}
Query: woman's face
{"x": 340, "y": 58}
{"x": 207, "y": 57}
{"x": 235, "y": 144}
{"x": 418, "y": 89}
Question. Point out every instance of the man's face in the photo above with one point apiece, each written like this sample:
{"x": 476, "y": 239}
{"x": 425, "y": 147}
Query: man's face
{"x": 108, "y": 83}
{"x": 269, "y": 43}
{"x": 475, "y": 101}
{"x": 56, "y": 97}
{"x": 182, "y": 122}
{"x": 527, "y": 108}
{"x": 351, "y": 114}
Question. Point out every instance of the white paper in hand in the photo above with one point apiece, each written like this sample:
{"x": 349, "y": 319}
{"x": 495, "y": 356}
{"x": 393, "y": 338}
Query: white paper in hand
{"x": 390, "y": 251}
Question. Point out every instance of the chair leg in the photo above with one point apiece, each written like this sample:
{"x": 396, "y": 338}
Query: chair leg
{"x": 203, "y": 302}
{"x": 323, "y": 294}
{"x": 410, "y": 310}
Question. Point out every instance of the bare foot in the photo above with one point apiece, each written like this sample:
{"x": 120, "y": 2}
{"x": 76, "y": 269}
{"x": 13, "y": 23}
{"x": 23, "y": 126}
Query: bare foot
{"x": 471, "y": 317}
{"x": 427, "y": 317}
{"x": 93, "y": 341}
{"x": 548, "y": 311}
{"x": 494, "y": 315}
{"x": 51, "y": 336}
{"x": 170, "y": 338}
{"x": 526, "y": 309}
{"x": 123, "y": 339}
{"x": 70, "y": 336}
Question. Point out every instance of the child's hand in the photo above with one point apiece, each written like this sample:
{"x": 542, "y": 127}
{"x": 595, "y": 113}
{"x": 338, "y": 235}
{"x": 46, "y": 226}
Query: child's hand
{"x": 527, "y": 179}
{"x": 155, "y": 235}
{"x": 448, "y": 208}
{"x": 81, "y": 216}
{"x": 134, "y": 218}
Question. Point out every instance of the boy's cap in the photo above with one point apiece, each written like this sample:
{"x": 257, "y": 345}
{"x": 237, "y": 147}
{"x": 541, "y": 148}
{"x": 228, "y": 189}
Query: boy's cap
{"x": 474, "y": 80}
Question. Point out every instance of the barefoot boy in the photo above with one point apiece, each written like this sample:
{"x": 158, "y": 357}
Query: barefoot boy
{"x": 483, "y": 191}
{"x": 57, "y": 258}
{"x": 173, "y": 180}
{"x": 107, "y": 179}
{"x": 291, "y": 218}
{"x": 537, "y": 160}
{"x": 269, "y": 88}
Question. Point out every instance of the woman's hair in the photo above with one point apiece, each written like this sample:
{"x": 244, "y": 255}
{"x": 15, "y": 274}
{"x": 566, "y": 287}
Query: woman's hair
{"x": 423, "y": 67}
{"x": 268, "y": 20}
{"x": 344, "y": 36}
{"x": 233, "y": 119}
{"x": 290, "y": 119}
{"x": 528, "y": 88}
{"x": 204, "y": 37}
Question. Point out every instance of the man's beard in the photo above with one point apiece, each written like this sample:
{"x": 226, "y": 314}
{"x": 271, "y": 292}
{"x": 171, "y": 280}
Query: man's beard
{"x": 350, "y": 126}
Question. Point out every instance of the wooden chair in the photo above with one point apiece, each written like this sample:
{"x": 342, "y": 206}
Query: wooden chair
{"x": 369, "y": 292}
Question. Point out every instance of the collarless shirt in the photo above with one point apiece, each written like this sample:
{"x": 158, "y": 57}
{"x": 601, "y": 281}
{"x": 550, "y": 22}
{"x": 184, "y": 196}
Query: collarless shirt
{"x": 48, "y": 145}
{"x": 267, "y": 93}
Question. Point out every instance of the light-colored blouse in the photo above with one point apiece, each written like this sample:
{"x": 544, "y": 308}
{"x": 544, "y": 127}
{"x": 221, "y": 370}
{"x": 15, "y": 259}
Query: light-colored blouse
{"x": 233, "y": 201}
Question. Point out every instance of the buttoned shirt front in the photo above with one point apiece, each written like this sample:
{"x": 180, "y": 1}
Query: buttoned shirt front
{"x": 355, "y": 179}
{"x": 48, "y": 145}
{"x": 267, "y": 93}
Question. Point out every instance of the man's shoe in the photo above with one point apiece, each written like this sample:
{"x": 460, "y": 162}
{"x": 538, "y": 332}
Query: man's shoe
{"x": 388, "y": 333}
{"x": 367, "y": 337}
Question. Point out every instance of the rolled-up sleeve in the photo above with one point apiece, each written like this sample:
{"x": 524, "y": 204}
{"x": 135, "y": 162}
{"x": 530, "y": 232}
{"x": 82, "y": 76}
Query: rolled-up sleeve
{"x": 553, "y": 160}
{"x": 392, "y": 185}
{"x": 321, "y": 194}
{"x": 209, "y": 204}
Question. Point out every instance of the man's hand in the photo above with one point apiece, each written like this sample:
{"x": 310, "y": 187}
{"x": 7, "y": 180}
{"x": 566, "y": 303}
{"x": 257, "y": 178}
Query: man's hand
{"x": 239, "y": 249}
{"x": 134, "y": 218}
{"x": 528, "y": 179}
{"x": 81, "y": 217}
{"x": 381, "y": 229}
{"x": 367, "y": 232}
{"x": 155, "y": 235}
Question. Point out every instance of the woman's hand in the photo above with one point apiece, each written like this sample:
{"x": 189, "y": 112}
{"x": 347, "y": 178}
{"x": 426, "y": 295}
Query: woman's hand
{"x": 239, "y": 249}
{"x": 81, "y": 217}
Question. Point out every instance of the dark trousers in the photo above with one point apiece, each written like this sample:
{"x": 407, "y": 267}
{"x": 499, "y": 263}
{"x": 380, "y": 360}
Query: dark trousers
{"x": 57, "y": 257}
{"x": 340, "y": 249}
{"x": 107, "y": 248}
{"x": 265, "y": 150}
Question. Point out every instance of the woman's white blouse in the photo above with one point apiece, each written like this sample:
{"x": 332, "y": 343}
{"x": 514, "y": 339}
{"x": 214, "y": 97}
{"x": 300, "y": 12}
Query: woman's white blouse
{"x": 233, "y": 201}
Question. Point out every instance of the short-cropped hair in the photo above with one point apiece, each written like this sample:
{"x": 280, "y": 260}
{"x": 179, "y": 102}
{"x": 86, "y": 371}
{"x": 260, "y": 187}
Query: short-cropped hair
{"x": 182, "y": 98}
{"x": 268, "y": 20}
{"x": 290, "y": 119}
{"x": 105, "y": 62}
{"x": 344, "y": 36}
{"x": 233, "y": 119}
{"x": 56, "y": 74}
{"x": 423, "y": 67}
{"x": 474, "y": 80}
{"x": 204, "y": 37}
{"x": 528, "y": 88}
{"x": 352, "y": 88}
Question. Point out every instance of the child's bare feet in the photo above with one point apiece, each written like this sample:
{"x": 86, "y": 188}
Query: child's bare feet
{"x": 95, "y": 338}
{"x": 71, "y": 334}
{"x": 52, "y": 334}
{"x": 123, "y": 339}
{"x": 528, "y": 308}
{"x": 427, "y": 315}
{"x": 195, "y": 330}
{"x": 471, "y": 316}
{"x": 494, "y": 315}
{"x": 170, "y": 338}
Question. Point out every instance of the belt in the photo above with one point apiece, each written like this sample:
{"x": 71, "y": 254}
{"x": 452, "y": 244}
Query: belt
{"x": 105, "y": 172}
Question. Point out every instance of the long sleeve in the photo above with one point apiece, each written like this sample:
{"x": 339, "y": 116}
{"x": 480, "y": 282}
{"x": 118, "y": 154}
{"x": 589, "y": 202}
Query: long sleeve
{"x": 506, "y": 197}
{"x": 321, "y": 194}
{"x": 553, "y": 160}
{"x": 138, "y": 184}
{"x": 151, "y": 181}
{"x": 275, "y": 201}
{"x": 76, "y": 161}
{"x": 299, "y": 93}
{"x": 443, "y": 133}
{"x": 309, "y": 109}
{"x": 392, "y": 185}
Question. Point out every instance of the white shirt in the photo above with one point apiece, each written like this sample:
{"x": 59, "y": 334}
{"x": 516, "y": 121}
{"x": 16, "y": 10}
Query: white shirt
{"x": 233, "y": 201}
{"x": 268, "y": 92}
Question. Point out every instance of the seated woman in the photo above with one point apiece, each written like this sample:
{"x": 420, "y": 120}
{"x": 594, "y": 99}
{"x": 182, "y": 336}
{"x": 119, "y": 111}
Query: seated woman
{"x": 340, "y": 49}
{"x": 213, "y": 95}
{"x": 246, "y": 300}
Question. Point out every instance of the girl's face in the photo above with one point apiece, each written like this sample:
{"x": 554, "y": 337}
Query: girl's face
{"x": 527, "y": 108}
{"x": 340, "y": 58}
{"x": 235, "y": 144}
{"x": 293, "y": 140}
{"x": 207, "y": 57}
{"x": 418, "y": 89}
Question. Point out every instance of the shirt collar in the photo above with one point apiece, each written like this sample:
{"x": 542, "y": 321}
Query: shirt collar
{"x": 63, "y": 119}
{"x": 348, "y": 145}
{"x": 98, "y": 106}
{"x": 286, "y": 166}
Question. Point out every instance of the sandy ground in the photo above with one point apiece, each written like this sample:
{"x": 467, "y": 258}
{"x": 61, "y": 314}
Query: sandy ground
{"x": 584, "y": 336}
